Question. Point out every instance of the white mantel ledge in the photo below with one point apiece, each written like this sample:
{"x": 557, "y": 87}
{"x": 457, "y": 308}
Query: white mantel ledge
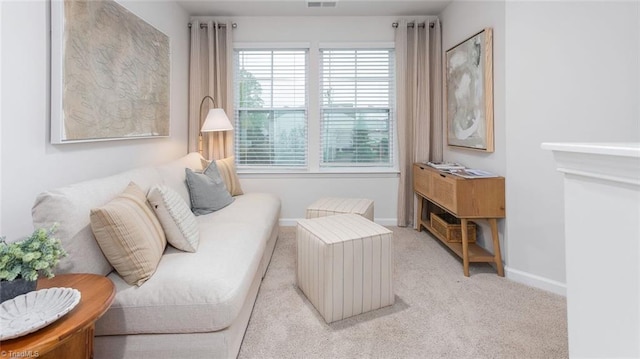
{"x": 616, "y": 162}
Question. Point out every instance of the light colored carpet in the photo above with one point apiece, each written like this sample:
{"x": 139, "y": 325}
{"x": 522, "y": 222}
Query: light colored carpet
{"x": 438, "y": 313}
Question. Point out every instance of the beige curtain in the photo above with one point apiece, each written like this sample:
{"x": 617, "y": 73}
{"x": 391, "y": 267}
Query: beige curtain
{"x": 210, "y": 73}
{"x": 419, "y": 106}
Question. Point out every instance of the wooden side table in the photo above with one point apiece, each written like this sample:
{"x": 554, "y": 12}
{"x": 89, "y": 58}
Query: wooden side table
{"x": 72, "y": 335}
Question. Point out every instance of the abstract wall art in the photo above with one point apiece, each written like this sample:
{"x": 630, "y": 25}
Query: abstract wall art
{"x": 469, "y": 93}
{"x": 110, "y": 74}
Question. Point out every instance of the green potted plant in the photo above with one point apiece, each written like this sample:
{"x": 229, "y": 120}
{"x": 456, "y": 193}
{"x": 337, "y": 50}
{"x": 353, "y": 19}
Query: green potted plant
{"x": 22, "y": 262}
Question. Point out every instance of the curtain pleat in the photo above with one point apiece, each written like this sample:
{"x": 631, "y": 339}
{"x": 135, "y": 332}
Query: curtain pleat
{"x": 229, "y": 89}
{"x": 437, "y": 83}
{"x": 403, "y": 112}
{"x": 211, "y": 84}
{"x": 419, "y": 107}
{"x": 211, "y": 56}
{"x": 195, "y": 74}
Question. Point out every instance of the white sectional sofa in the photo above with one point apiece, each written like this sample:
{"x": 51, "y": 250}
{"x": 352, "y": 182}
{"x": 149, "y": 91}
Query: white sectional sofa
{"x": 196, "y": 305}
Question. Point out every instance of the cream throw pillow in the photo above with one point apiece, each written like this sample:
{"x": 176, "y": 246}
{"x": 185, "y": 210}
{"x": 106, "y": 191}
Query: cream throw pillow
{"x": 129, "y": 235}
{"x": 177, "y": 220}
{"x": 227, "y": 169}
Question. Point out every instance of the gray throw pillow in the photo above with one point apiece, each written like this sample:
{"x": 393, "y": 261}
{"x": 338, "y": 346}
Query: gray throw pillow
{"x": 207, "y": 190}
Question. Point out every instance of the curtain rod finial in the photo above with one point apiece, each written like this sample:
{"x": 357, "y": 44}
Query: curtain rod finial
{"x": 413, "y": 24}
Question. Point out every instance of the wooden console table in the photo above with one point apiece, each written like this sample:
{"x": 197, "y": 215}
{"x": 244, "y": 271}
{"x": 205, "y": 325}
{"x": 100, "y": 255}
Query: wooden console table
{"x": 478, "y": 198}
{"x": 72, "y": 335}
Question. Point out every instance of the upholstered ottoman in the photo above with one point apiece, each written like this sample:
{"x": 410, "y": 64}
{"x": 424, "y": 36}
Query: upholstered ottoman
{"x": 345, "y": 265}
{"x": 331, "y": 206}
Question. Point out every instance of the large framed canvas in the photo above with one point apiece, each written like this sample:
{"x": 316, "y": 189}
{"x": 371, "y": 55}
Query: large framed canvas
{"x": 469, "y": 93}
{"x": 110, "y": 74}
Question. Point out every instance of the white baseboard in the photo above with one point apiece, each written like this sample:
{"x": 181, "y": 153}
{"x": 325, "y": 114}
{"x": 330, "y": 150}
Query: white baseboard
{"x": 288, "y": 222}
{"x": 292, "y": 222}
{"x": 535, "y": 281}
{"x": 386, "y": 221}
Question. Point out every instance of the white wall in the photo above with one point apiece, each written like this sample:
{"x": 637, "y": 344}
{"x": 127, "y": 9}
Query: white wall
{"x": 563, "y": 71}
{"x": 460, "y": 20}
{"x": 297, "y": 191}
{"x": 572, "y": 74}
{"x": 30, "y": 164}
{"x": 1, "y": 231}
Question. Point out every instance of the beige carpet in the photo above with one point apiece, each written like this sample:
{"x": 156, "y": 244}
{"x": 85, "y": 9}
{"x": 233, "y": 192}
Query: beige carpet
{"x": 438, "y": 313}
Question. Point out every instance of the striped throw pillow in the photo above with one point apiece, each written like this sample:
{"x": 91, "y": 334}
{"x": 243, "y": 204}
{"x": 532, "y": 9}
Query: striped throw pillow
{"x": 129, "y": 235}
{"x": 177, "y": 220}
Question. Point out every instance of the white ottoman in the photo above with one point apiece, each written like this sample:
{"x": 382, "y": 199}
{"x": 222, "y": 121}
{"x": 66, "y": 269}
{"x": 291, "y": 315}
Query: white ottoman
{"x": 345, "y": 265}
{"x": 331, "y": 206}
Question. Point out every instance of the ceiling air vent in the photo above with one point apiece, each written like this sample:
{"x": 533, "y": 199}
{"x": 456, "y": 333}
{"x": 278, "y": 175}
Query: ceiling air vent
{"x": 319, "y": 4}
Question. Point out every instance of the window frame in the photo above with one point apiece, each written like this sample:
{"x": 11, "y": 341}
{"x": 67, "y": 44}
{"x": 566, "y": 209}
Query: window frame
{"x": 242, "y": 168}
{"x": 389, "y": 110}
{"x": 313, "y": 115}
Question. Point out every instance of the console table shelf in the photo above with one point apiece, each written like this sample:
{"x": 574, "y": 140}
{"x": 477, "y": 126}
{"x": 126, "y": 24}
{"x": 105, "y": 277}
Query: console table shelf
{"x": 476, "y": 253}
{"x": 479, "y": 198}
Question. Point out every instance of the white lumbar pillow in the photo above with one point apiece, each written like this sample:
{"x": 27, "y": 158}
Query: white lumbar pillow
{"x": 175, "y": 216}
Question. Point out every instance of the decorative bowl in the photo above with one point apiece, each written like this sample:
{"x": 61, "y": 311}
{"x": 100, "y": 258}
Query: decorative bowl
{"x": 29, "y": 312}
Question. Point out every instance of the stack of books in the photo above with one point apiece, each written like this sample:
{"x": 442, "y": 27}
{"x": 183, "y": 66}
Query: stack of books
{"x": 445, "y": 166}
{"x": 471, "y": 173}
{"x": 460, "y": 170}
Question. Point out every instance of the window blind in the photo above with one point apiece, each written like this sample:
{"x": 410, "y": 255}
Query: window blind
{"x": 356, "y": 120}
{"x": 271, "y": 108}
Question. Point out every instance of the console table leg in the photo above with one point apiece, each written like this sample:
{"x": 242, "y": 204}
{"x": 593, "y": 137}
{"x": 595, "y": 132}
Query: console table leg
{"x": 418, "y": 225}
{"x": 497, "y": 256}
{"x": 465, "y": 246}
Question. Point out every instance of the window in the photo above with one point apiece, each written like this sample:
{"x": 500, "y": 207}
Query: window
{"x": 357, "y": 90}
{"x": 271, "y": 108}
{"x": 347, "y": 123}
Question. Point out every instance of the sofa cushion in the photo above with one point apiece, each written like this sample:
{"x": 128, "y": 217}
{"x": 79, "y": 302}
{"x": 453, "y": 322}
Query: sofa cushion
{"x": 202, "y": 291}
{"x": 70, "y": 206}
{"x": 129, "y": 235}
{"x": 227, "y": 168}
{"x": 176, "y": 218}
{"x": 207, "y": 190}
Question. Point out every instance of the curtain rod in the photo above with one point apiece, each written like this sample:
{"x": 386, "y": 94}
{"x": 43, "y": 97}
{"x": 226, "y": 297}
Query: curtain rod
{"x": 220, "y": 26}
{"x": 413, "y": 24}
{"x": 395, "y": 25}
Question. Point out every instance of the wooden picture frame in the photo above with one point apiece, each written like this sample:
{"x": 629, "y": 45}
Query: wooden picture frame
{"x": 110, "y": 74}
{"x": 469, "y": 93}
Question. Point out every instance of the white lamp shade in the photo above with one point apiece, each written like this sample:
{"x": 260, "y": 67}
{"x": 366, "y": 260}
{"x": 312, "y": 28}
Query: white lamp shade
{"x": 216, "y": 120}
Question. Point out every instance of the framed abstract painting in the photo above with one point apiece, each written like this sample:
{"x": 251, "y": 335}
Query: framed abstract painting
{"x": 110, "y": 74}
{"x": 469, "y": 93}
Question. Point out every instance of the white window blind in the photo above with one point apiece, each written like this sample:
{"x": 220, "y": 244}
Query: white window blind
{"x": 271, "y": 108}
{"x": 356, "y": 120}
